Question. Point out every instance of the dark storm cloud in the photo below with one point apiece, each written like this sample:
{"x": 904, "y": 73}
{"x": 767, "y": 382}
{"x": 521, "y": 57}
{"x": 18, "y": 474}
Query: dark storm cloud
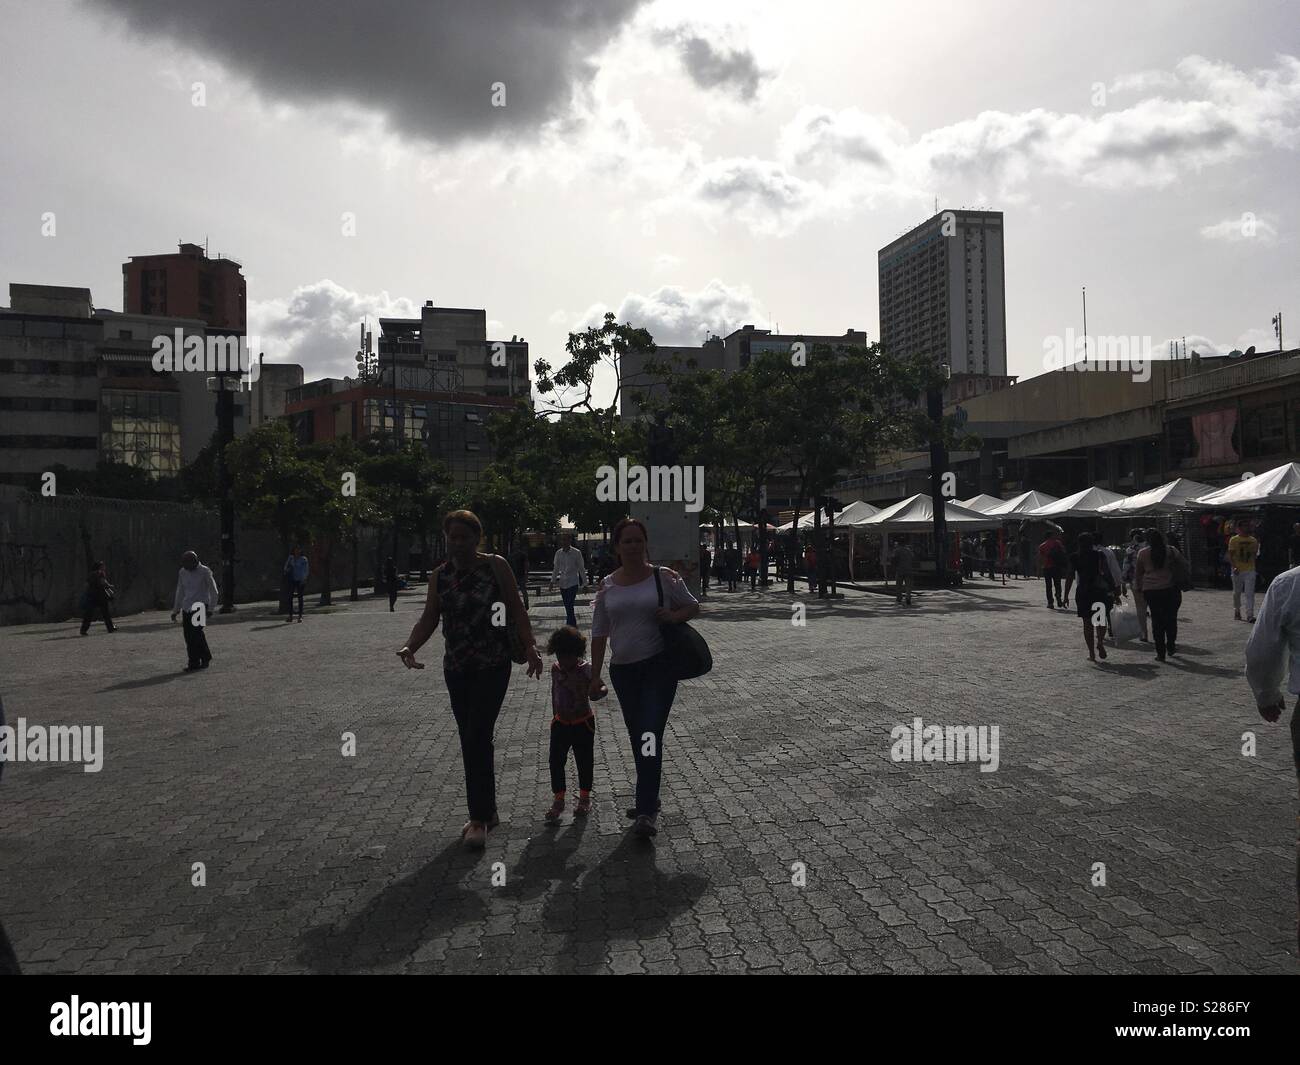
{"x": 716, "y": 67}
{"x": 427, "y": 65}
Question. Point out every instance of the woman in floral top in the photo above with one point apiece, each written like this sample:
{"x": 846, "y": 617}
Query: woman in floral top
{"x": 467, "y": 594}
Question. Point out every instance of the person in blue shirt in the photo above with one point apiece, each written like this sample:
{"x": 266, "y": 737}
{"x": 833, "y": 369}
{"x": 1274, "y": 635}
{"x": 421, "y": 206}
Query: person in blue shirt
{"x": 296, "y": 568}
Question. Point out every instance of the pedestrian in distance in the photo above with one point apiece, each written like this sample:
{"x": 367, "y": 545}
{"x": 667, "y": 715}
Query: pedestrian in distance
{"x": 390, "y": 582}
{"x": 751, "y": 568}
{"x": 732, "y": 562}
{"x": 810, "y": 567}
{"x": 1094, "y": 594}
{"x": 1243, "y": 551}
{"x": 296, "y": 569}
{"x": 706, "y": 562}
{"x": 195, "y": 599}
{"x": 1053, "y": 562}
{"x": 569, "y": 570}
{"x": 97, "y": 599}
{"x": 990, "y": 555}
{"x": 1026, "y": 549}
{"x": 1128, "y": 572}
{"x": 467, "y": 594}
{"x": 903, "y": 562}
{"x": 627, "y": 617}
{"x": 1156, "y": 578}
{"x": 573, "y": 721}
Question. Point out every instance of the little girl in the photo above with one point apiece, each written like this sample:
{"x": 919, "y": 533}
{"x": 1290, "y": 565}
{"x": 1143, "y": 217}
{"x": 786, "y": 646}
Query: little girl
{"x": 574, "y": 723}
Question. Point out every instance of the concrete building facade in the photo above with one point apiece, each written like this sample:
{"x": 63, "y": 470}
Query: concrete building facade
{"x": 943, "y": 293}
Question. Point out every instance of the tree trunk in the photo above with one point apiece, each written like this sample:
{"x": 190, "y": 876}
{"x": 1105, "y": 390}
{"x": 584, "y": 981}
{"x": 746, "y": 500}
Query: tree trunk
{"x": 286, "y": 592}
{"x": 355, "y": 594}
{"x": 794, "y": 538}
{"x": 817, "y": 546}
{"x": 327, "y": 579}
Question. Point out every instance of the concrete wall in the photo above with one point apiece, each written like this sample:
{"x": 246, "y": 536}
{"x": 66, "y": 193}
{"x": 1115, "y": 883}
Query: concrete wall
{"x": 44, "y": 544}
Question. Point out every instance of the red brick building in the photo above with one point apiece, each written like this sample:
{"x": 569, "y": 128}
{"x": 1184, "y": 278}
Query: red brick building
{"x": 187, "y": 284}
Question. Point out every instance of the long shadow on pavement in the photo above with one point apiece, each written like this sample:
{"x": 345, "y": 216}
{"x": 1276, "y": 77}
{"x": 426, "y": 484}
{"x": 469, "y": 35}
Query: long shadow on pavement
{"x": 394, "y": 923}
{"x": 146, "y": 682}
{"x": 625, "y": 897}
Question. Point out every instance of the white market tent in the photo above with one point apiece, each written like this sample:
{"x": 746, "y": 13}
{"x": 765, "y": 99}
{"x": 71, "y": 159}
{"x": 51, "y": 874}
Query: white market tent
{"x": 916, "y": 514}
{"x": 1085, "y": 504}
{"x": 1167, "y": 499}
{"x": 855, "y": 512}
{"x": 1022, "y": 504}
{"x": 982, "y": 502}
{"x": 1280, "y": 485}
{"x": 805, "y": 521}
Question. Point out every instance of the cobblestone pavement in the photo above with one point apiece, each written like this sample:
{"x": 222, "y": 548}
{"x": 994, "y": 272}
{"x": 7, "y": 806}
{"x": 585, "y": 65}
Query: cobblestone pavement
{"x": 317, "y": 862}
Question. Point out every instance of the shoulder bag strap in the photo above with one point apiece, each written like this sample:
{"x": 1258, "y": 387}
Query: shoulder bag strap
{"x": 659, "y": 586}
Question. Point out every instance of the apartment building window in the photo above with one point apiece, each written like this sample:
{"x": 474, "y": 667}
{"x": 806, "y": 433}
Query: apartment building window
{"x": 47, "y": 403}
{"x": 43, "y": 441}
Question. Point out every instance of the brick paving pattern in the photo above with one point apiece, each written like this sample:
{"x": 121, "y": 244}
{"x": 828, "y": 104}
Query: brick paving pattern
{"x": 317, "y": 862}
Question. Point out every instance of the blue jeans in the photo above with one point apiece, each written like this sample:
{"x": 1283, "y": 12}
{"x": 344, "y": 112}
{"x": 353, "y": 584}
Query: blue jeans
{"x": 645, "y": 692}
{"x": 569, "y": 595}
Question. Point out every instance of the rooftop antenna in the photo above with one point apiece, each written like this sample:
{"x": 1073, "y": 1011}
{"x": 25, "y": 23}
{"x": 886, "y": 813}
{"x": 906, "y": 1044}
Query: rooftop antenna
{"x": 936, "y": 205}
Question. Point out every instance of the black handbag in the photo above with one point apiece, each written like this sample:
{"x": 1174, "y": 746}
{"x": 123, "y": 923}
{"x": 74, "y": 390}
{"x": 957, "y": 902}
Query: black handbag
{"x": 685, "y": 650}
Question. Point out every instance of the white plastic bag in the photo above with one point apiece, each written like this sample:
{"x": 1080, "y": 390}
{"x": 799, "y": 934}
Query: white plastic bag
{"x": 1124, "y": 622}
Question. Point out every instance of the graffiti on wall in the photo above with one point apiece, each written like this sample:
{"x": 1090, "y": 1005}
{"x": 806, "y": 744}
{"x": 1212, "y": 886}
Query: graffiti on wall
{"x": 26, "y": 574}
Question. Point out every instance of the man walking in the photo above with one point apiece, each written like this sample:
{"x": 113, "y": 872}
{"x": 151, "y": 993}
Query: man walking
{"x": 1243, "y": 550}
{"x": 903, "y": 562}
{"x": 195, "y": 599}
{"x": 390, "y": 582}
{"x": 296, "y": 568}
{"x": 1054, "y": 563}
{"x": 706, "y": 560}
{"x": 569, "y": 570}
{"x": 1272, "y": 652}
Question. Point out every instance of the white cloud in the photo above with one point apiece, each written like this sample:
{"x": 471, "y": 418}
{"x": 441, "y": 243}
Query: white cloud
{"x": 677, "y": 316}
{"x": 318, "y": 324}
{"x": 1247, "y": 227}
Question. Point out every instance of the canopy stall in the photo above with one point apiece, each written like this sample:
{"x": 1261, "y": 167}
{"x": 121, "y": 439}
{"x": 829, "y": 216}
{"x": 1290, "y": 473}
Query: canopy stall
{"x": 1280, "y": 485}
{"x": 1167, "y": 499}
{"x": 1085, "y": 504}
{"x": 982, "y": 503}
{"x": 916, "y": 515}
{"x": 1022, "y": 504}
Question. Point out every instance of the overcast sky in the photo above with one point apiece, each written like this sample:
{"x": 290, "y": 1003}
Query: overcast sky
{"x": 690, "y": 166}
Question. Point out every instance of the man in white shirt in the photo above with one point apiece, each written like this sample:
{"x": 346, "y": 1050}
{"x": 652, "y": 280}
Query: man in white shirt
{"x": 1274, "y": 645}
{"x": 195, "y": 598}
{"x": 569, "y": 570}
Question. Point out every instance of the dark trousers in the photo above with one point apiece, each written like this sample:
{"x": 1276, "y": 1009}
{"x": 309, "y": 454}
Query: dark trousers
{"x": 581, "y": 739}
{"x": 731, "y": 578}
{"x": 1163, "y": 604}
{"x": 196, "y": 640}
{"x": 97, "y": 607}
{"x": 990, "y": 566}
{"x": 645, "y": 690}
{"x": 476, "y": 698}
{"x": 569, "y": 595}
{"x": 704, "y": 576}
{"x": 392, "y": 596}
{"x": 1052, "y": 581}
{"x": 296, "y": 588}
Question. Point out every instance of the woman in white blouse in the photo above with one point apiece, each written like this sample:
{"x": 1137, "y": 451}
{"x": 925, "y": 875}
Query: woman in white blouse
{"x": 626, "y": 614}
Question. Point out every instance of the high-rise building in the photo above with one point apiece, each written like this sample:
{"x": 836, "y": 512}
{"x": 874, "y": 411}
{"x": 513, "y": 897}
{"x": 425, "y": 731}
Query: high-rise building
{"x": 943, "y": 296}
{"x": 187, "y": 284}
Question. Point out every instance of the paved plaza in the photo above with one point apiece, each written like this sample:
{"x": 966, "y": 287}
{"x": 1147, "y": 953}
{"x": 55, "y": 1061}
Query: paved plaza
{"x": 790, "y": 840}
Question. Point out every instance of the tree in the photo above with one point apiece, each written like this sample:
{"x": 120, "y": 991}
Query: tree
{"x": 409, "y": 488}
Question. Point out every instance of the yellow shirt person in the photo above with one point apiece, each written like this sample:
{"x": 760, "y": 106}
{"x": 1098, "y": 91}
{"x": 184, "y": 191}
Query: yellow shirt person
{"x": 1242, "y": 552}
